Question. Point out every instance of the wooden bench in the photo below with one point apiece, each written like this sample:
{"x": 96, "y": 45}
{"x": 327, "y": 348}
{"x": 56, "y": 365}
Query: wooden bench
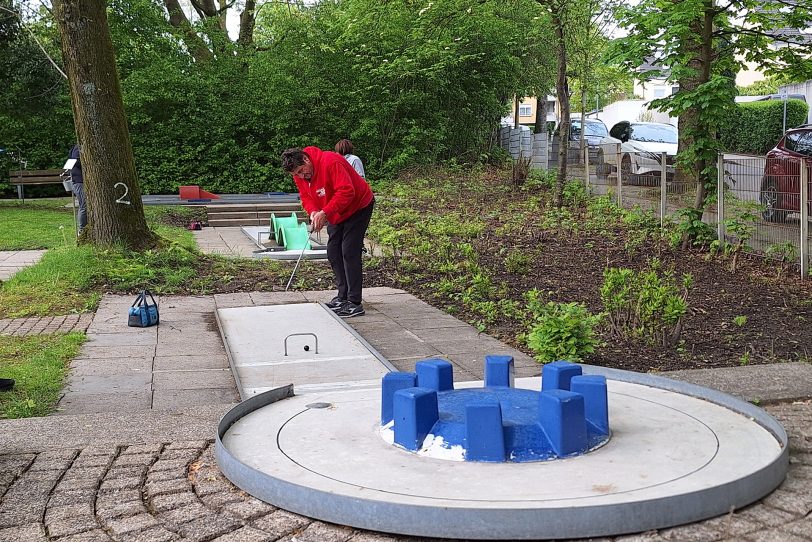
{"x": 21, "y": 178}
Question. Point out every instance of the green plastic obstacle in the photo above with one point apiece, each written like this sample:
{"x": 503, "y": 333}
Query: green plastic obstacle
{"x": 279, "y": 222}
{"x": 294, "y": 238}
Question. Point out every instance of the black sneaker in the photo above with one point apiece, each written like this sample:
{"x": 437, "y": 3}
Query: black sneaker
{"x": 335, "y": 303}
{"x": 350, "y": 309}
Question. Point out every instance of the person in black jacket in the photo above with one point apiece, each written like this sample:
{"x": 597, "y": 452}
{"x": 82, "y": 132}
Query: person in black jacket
{"x": 79, "y": 186}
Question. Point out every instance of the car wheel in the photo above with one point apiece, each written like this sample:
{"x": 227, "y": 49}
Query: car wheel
{"x": 601, "y": 167}
{"x": 769, "y": 199}
{"x": 626, "y": 170}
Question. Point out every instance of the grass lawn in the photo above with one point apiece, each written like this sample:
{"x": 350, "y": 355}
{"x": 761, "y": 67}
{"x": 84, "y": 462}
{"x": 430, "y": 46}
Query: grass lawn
{"x": 37, "y": 224}
{"x": 38, "y": 365}
{"x": 70, "y": 278}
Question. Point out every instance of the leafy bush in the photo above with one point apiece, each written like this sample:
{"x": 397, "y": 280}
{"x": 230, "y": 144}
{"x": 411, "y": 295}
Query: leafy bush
{"x": 560, "y": 330}
{"x": 648, "y": 304}
{"x": 693, "y": 227}
{"x": 756, "y": 127}
{"x": 409, "y": 85}
{"x": 518, "y": 262}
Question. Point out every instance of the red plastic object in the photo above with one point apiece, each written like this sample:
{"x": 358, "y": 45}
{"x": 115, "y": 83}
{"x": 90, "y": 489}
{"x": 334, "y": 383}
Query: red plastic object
{"x": 195, "y": 192}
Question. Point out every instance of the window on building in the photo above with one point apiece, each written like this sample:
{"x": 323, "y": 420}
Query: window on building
{"x": 525, "y": 110}
{"x": 659, "y": 92}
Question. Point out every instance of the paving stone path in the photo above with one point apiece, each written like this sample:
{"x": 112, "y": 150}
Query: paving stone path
{"x": 12, "y": 261}
{"x": 144, "y": 471}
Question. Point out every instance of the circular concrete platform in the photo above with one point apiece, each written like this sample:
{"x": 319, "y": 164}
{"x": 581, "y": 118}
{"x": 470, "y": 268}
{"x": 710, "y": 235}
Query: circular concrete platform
{"x": 678, "y": 453}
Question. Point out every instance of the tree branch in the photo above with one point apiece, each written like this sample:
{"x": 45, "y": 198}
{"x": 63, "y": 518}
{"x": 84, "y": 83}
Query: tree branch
{"x": 34, "y": 37}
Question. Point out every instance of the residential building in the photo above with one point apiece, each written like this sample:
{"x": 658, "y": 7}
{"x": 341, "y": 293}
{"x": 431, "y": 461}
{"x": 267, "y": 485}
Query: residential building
{"x": 527, "y": 111}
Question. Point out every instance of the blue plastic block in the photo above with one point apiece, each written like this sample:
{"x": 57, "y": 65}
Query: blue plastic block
{"x": 561, "y": 415}
{"x": 435, "y": 374}
{"x": 415, "y": 413}
{"x": 484, "y": 434}
{"x": 557, "y": 375}
{"x": 391, "y": 383}
{"x": 596, "y": 405}
{"x": 499, "y": 371}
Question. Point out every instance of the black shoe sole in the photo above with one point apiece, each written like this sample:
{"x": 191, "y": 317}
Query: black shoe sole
{"x": 353, "y": 315}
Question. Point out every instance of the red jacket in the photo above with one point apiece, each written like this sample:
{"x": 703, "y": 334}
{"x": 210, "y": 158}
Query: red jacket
{"x": 335, "y": 187}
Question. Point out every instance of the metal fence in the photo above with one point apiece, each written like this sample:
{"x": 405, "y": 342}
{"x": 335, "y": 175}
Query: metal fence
{"x": 765, "y": 208}
{"x": 766, "y": 205}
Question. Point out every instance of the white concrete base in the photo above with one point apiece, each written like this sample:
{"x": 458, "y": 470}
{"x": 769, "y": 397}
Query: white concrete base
{"x": 336, "y": 357}
{"x": 672, "y": 459}
{"x": 261, "y": 234}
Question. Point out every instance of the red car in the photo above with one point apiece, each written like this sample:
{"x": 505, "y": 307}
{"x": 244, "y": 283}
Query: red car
{"x": 780, "y": 186}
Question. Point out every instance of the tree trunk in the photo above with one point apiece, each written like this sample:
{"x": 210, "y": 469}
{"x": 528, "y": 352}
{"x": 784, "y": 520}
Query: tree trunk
{"x": 562, "y": 91}
{"x": 690, "y": 122}
{"x": 101, "y": 127}
{"x": 583, "y": 120}
{"x": 516, "y": 104}
{"x": 177, "y": 18}
{"x": 247, "y": 23}
{"x": 541, "y": 114}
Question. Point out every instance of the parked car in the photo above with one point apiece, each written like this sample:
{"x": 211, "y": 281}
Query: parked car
{"x": 641, "y": 146}
{"x": 781, "y": 185}
{"x": 594, "y": 131}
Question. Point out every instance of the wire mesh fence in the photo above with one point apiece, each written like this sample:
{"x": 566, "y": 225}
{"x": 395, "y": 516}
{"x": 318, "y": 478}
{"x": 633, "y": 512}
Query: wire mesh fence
{"x": 766, "y": 206}
{"x": 764, "y": 210}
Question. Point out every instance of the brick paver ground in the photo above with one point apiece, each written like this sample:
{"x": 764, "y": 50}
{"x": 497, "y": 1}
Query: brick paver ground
{"x": 174, "y": 491}
{"x": 41, "y": 325}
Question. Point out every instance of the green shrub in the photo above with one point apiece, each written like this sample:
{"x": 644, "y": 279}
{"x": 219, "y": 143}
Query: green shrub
{"x": 755, "y": 127}
{"x": 647, "y": 305}
{"x": 518, "y": 262}
{"x": 691, "y": 225}
{"x": 560, "y": 330}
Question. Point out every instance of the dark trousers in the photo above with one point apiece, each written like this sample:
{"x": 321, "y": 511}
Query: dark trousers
{"x": 344, "y": 252}
{"x": 79, "y": 192}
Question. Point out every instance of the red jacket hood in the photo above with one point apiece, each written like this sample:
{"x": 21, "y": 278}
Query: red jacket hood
{"x": 335, "y": 187}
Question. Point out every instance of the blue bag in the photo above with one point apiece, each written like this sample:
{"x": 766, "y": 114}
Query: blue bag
{"x": 142, "y": 312}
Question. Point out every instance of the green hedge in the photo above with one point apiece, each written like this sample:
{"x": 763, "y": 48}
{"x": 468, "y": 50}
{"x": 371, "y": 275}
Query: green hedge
{"x": 756, "y": 127}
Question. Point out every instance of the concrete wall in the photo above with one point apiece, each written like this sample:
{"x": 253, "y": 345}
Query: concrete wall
{"x": 523, "y": 142}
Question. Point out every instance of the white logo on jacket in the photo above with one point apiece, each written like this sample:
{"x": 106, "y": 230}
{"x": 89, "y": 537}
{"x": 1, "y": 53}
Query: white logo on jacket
{"x": 320, "y": 192}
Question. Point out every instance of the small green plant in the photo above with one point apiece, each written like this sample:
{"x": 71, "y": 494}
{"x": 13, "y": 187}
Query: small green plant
{"x": 741, "y": 225}
{"x": 740, "y": 320}
{"x": 744, "y": 359}
{"x": 648, "y": 304}
{"x": 540, "y": 178}
{"x": 574, "y": 193}
{"x": 692, "y": 229}
{"x": 560, "y": 330}
{"x": 518, "y": 262}
{"x": 785, "y": 253}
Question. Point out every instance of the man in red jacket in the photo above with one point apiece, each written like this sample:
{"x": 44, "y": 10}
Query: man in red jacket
{"x": 334, "y": 195}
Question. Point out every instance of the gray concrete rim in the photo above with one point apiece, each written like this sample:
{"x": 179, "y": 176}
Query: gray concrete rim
{"x": 518, "y": 524}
